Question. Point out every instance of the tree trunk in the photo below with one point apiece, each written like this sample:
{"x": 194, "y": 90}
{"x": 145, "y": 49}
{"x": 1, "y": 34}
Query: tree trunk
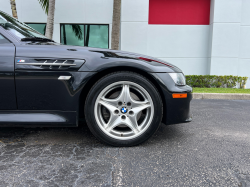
{"x": 13, "y": 8}
{"x": 116, "y": 24}
{"x": 50, "y": 19}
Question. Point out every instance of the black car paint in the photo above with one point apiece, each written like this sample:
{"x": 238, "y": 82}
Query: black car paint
{"x": 37, "y": 118}
{"x": 7, "y": 79}
{"x": 37, "y": 90}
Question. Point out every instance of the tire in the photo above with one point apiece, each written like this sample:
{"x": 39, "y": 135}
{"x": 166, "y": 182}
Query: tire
{"x": 123, "y": 109}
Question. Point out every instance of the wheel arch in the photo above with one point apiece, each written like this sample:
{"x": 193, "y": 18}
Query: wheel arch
{"x": 107, "y": 71}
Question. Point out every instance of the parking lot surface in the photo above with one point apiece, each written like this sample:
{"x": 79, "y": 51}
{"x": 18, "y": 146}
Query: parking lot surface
{"x": 212, "y": 150}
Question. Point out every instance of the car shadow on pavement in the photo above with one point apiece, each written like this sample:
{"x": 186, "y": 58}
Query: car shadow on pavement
{"x": 77, "y": 135}
{"x": 46, "y": 135}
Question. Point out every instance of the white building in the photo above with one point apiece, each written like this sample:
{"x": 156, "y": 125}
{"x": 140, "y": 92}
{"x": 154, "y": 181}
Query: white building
{"x": 199, "y": 36}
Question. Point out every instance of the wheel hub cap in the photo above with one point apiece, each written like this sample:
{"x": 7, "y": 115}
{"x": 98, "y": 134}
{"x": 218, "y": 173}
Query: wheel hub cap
{"x": 124, "y": 110}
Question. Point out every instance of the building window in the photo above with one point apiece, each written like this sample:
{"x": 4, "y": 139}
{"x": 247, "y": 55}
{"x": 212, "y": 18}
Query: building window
{"x": 179, "y": 12}
{"x": 40, "y": 27}
{"x": 85, "y": 35}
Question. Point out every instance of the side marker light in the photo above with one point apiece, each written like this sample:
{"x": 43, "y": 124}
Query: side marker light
{"x": 184, "y": 95}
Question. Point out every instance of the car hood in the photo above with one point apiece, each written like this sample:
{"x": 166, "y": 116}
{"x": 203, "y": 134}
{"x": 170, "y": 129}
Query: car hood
{"x": 96, "y": 58}
{"x": 117, "y": 54}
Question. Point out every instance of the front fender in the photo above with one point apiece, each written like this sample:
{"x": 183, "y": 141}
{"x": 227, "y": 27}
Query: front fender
{"x": 99, "y": 61}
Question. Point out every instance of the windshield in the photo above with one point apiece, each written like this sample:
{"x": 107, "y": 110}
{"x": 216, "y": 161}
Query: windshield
{"x": 18, "y": 28}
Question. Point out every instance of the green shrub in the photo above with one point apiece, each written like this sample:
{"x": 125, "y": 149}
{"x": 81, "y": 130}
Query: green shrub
{"x": 214, "y": 81}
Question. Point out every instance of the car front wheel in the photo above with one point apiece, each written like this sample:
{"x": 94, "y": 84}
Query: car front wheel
{"x": 123, "y": 109}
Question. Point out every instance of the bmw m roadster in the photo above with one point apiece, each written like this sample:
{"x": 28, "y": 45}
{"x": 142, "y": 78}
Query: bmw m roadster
{"x": 123, "y": 96}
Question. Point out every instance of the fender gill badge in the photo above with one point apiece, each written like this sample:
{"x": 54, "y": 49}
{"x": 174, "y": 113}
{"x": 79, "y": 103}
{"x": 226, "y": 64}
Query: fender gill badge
{"x": 64, "y": 77}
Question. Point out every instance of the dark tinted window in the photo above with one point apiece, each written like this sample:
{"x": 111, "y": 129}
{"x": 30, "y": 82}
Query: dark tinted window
{"x": 72, "y": 34}
{"x": 97, "y": 36}
{"x": 3, "y": 40}
{"x": 85, "y": 35}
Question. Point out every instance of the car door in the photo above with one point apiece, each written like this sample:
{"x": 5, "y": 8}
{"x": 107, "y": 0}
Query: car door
{"x": 7, "y": 77}
{"x": 47, "y": 78}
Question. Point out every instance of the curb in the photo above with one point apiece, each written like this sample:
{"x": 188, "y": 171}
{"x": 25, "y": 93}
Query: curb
{"x": 227, "y": 96}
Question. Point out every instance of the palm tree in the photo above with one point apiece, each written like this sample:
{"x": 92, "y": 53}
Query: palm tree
{"x": 46, "y": 7}
{"x": 13, "y": 8}
{"x": 49, "y": 8}
{"x": 50, "y": 19}
{"x": 116, "y": 24}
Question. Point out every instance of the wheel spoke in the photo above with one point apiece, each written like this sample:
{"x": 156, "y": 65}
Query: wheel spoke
{"x": 108, "y": 104}
{"x": 133, "y": 118}
{"x": 140, "y": 107}
{"x": 113, "y": 122}
{"x": 136, "y": 104}
{"x": 132, "y": 124}
{"x": 125, "y": 94}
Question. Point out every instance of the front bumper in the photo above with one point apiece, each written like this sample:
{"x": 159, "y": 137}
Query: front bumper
{"x": 175, "y": 110}
{"x": 178, "y": 110}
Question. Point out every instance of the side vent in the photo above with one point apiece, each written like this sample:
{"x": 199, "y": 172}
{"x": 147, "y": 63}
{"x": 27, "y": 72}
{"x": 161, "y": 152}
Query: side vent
{"x": 54, "y": 64}
{"x": 50, "y": 64}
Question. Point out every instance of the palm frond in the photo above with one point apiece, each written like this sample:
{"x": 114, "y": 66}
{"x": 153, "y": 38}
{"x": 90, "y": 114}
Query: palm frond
{"x": 45, "y": 5}
{"x": 77, "y": 30}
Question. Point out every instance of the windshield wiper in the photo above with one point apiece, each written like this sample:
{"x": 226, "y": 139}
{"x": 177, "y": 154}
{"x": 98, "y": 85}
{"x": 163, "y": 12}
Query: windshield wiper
{"x": 37, "y": 39}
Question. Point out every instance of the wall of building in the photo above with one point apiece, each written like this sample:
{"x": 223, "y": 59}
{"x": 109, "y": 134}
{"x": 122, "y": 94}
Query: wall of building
{"x": 230, "y": 38}
{"x": 185, "y": 46}
{"x": 244, "y": 54}
{"x": 66, "y": 11}
{"x": 221, "y": 48}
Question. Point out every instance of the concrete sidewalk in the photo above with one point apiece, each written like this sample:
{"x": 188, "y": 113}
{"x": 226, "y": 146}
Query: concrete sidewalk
{"x": 228, "y": 96}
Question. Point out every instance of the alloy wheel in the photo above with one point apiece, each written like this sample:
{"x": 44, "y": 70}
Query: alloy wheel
{"x": 124, "y": 110}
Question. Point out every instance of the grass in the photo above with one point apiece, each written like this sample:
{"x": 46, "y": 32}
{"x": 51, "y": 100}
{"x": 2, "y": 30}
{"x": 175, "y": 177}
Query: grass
{"x": 221, "y": 90}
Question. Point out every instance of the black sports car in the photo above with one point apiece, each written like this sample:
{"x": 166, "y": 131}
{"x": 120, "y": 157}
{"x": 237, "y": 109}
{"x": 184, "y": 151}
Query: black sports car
{"x": 123, "y": 96}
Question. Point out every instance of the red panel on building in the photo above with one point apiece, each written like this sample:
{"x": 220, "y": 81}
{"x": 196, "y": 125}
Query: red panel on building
{"x": 179, "y": 12}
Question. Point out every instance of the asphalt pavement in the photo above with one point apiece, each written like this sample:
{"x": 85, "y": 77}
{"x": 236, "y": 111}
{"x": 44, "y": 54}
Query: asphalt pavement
{"x": 212, "y": 150}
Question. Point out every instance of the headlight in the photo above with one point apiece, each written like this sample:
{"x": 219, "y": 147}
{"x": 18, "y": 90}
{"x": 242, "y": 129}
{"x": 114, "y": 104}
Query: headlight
{"x": 178, "y": 78}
